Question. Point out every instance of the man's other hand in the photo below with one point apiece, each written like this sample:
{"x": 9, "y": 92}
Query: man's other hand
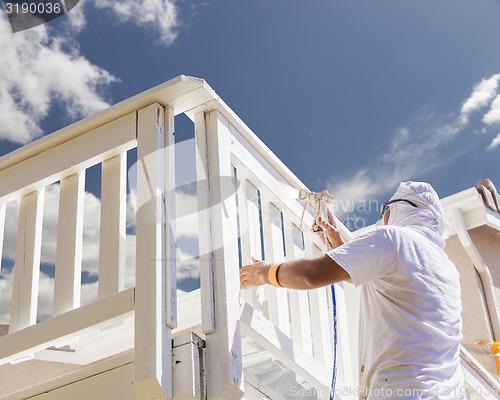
{"x": 256, "y": 274}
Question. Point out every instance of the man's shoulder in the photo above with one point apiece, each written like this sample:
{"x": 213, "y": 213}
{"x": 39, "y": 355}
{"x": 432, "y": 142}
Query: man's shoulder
{"x": 391, "y": 233}
{"x": 384, "y": 231}
{"x": 379, "y": 236}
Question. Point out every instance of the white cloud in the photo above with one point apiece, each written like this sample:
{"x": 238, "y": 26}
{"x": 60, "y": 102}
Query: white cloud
{"x": 481, "y": 95}
{"x": 412, "y": 150}
{"x": 494, "y": 143}
{"x": 40, "y": 67}
{"x": 493, "y": 115}
{"x": 160, "y": 15}
{"x": 415, "y": 149}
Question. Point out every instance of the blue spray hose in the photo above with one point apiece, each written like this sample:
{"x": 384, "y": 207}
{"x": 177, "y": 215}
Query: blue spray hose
{"x": 334, "y": 377}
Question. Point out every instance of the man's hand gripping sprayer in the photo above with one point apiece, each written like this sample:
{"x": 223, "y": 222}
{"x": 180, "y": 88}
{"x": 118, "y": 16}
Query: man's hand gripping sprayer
{"x": 319, "y": 202}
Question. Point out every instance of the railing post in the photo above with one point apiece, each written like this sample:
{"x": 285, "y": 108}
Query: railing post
{"x": 224, "y": 357}
{"x": 153, "y": 337}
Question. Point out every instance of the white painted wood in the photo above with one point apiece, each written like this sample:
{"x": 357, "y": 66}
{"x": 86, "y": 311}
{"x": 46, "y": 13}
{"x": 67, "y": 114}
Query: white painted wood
{"x": 477, "y": 377}
{"x": 224, "y": 358}
{"x": 284, "y": 349}
{"x": 253, "y": 221}
{"x": 27, "y": 266}
{"x": 299, "y": 299}
{"x": 2, "y": 230}
{"x": 246, "y": 251}
{"x": 344, "y": 337}
{"x": 169, "y": 204}
{"x": 270, "y": 188}
{"x": 69, "y": 244}
{"x": 273, "y": 245}
{"x": 189, "y": 372}
{"x": 71, "y": 156}
{"x": 64, "y": 327}
{"x": 320, "y": 319}
{"x": 111, "y": 384}
{"x": 205, "y": 238}
{"x": 113, "y": 226}
{"x": 250, "y": 237}
{"x": 273, "y": 178}
{"x": 68, "y": 379}
{"x": 255, "y": 389}
{"x": 153, "y": 340}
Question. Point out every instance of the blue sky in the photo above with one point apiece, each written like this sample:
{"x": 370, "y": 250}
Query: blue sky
{"x": 327, "y": 85}
{"x": 354, "y": 96}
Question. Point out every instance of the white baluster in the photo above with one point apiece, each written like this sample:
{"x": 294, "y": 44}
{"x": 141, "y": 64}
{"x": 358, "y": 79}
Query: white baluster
{"x": 299, "y": 299}
{"x": 27, "y": 266}
{"x": 69, "y": 244}
{"x": 320, "y": 318}
{"x": 273, "y": 245}
{"x": 113, "y": 226}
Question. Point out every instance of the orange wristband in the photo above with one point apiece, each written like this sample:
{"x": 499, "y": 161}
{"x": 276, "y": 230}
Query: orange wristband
{"x": 273, "y": 275}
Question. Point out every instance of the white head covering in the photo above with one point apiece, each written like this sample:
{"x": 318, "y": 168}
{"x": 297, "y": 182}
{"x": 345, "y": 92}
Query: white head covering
{"x": 429, "y": 212}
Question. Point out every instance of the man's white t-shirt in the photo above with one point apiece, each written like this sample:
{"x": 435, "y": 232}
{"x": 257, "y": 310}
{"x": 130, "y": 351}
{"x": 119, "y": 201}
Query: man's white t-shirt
{"x": 410, "y": 324}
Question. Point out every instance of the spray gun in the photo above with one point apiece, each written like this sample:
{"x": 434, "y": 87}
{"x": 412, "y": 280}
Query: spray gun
{"x": 319, "y": 202}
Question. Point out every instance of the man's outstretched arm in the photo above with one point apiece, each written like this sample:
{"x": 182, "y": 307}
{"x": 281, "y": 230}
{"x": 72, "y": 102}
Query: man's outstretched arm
{"x": 308, "y": 273}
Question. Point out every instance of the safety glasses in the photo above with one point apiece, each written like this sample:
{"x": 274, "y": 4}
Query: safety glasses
{"x": 385, "y": 205}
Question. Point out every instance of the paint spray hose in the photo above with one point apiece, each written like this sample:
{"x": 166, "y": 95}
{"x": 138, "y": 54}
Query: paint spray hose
{"x": 334, "y": 310}
{"x": 319, "y": 202}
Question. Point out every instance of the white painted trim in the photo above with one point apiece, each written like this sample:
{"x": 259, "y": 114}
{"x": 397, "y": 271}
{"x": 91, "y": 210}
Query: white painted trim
{"x": 63, "y": 328}
{"x": 284, "y": 349}
{"x": 48, "y": 165}
{"x": 475, "y": 371}
{"x": 68, "y": 379}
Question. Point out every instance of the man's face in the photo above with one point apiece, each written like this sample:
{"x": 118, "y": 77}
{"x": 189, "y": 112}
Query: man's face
{"x": 386, "y": 216}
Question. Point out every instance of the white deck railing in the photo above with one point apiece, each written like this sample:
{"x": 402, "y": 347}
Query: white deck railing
{"x": 295, "y": 327}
